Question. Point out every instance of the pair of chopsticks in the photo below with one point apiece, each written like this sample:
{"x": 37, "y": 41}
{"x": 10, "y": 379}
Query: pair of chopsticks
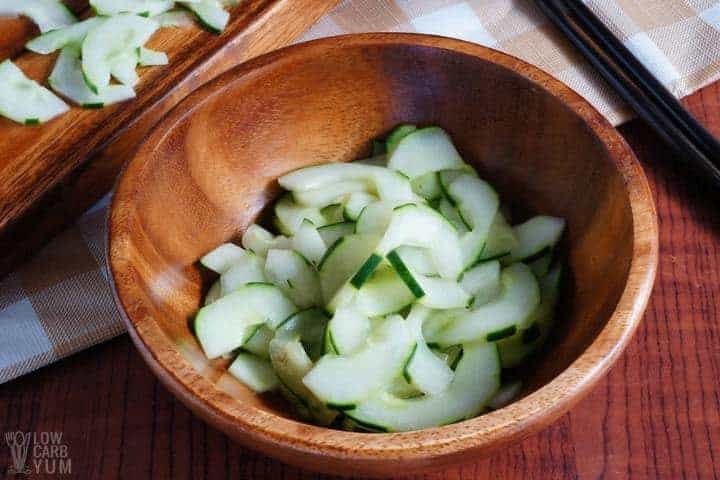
{"x": 635, "y": 84}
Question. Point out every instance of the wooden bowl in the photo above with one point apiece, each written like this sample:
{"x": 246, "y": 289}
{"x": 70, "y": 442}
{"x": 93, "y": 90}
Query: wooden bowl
{"x": 210, "y": 167}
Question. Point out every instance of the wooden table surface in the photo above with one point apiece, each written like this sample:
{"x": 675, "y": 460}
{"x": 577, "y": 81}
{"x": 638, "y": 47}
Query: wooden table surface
{"x": 657, "y": 415}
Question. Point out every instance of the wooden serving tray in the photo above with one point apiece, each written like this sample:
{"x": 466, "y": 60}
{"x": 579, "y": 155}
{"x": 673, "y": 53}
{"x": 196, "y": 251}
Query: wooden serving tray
{"x": 49, "y": 174}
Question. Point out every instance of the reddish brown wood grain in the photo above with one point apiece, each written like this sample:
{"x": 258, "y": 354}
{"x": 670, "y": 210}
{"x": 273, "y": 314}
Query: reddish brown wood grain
{"x": 657, "y": 415}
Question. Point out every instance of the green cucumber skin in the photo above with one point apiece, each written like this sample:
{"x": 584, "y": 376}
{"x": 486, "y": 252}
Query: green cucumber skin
{"x": 500, "y": 334}
{"x": 406, "y": 373}
{"x": 397, "y": 263}
{"x": 366, "y": 270}
{"x": 330, "y": 250}
{"x": 397, "y": 134}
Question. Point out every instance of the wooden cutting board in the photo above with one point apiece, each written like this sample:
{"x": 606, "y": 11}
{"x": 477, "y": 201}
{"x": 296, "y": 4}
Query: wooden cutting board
{"x": 50, "y": 174}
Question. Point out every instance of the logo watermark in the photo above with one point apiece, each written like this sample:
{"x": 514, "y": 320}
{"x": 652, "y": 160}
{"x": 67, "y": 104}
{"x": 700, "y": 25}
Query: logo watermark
{"x": 46, "y": 451}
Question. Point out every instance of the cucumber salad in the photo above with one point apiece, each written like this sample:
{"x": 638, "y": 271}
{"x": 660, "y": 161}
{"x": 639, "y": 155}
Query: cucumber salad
{"x": 96, "y": 66}
{"x": 393, "y": 294}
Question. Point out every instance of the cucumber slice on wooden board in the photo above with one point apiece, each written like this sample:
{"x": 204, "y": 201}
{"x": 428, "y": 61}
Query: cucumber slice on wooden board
{"x": 329, "y": 194}
{"x": 256, "y": 373}
{"x": 425, "y": 370}
{"x": 247, "y": 269}
{"x": 289, "y": 215}
{"x": 535, "y": 236}
{"x": 146, "y": 8}
{"x": 476, "y": 379}
{"x": 372, "y": 367}
{"x": 72, "y": 35}
{"x": 495, "y": 320}
{"x": 397, "y": 134}
{"x": 309, "y": 243}
{"x": 175, "y": 18}
{"x": 383, "y": 293}
{"x": 425, "y": 151}
{"x": 259, "y": 241}
{"x": 221, "y": 258}
{"x": 24, "y": 100}
{"x": 123, "y": 68}
{"x": 151, "y": 58}
{"x": 333, "y": 232}
{"x": 46, "y": 14}
{"x": 294, "y": 275}
{"x": 343, "y": 261}
{"x": 347, "y": 330}
{"x": 104, "y": 44}
{"x": 210, "y": 13}
{"x": 482, "y": 282}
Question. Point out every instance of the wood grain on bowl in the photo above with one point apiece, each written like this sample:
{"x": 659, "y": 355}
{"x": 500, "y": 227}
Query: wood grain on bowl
{"x": 210, "y": 167}
{"x": 54, "y": 172}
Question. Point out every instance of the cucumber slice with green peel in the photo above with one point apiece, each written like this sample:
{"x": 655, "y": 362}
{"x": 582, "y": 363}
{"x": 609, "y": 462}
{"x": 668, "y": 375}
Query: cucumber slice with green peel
{"x": 450, "y": 212}
{"x": 26, "y": 101}
{"x": 425, "y": 151}
{"x": 221, "y": 258}
{"x": 427, "y": 186}
{"x": 151, "y": 58}
{"x": 175, "y": 18}
{"x": 146, "y": 8}
{"x": 259, "y": 241}
{"x": 46, "y": 14}
{"x": 356, "y": 203}
{"x": 420, "y": 226}
{"x": 333, "y": 232}
{"x": 378, "y": 159}
{"x": 374, "y": 218}
{"x": 446, "y": 177}
{"x": 476, "y": 379}
{"x": 289, "y": 215}
{"x": 105, "y": 44}
{"x": 67, "y": 80}
{"x": 418, "y": 260}
{"x": 344, "y": 261}
{"x": 259, "y": 343}
{"x": 309, "y": 326}
{"x": 482, "y": 282}
{"x": 505, "y": 395}
{"x": 384, "y": 293}
{"x": 453, "y": 355}
{"x": 230, "y": 321}
{"x": 256, "y": 373}
{"x": 401, "y": 388}
{"x": 333, "y": 213}
{"x": 249, "y": 268}
{"x": 397, "y": 134}
{"x": 495, "y": 320}
{"x": 329, "y": 194}
{"x": 425, "y": 370}
{"x": 500, "y": 241}
{"x": 123, "y": 68}
{"x": 72, "y": 35}
{"x": 294, "y": 275}
{"x": 213, "y": 293}
{"x": 211, "y": 15}
{"x": 535, "y": 236}
{"x": 309, "y": 243}
{"x": 541, "y": 266}
{"x": 372, "y": 367}
{"x": 390, "y": 186}
{"x": 347, "y": 330}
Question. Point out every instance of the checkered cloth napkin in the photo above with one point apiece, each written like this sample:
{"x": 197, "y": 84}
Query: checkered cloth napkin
{"x": 60, "y": 301}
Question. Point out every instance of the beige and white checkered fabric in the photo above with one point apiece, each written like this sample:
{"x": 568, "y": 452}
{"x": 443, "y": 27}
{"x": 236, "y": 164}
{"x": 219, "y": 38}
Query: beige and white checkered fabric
{"x": 60, "y": 301}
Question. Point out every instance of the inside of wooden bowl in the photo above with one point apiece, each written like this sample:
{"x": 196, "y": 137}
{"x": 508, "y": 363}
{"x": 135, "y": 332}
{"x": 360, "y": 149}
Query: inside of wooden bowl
{"x": 214, "y": 169}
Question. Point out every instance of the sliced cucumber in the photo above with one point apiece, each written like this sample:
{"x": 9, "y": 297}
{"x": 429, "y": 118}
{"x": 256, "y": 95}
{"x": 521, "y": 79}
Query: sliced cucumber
{"x": 220, "y": 259}
{"x": 333, "y": 213}
{"x": 450, "y": 212}
{"x": 230, "y": 321}
{"x": 151, "y": 58}
{"x": 477, "y": 378}
{"x": 175, "y": 18}
{"x": 384, "y": 293}
{"x": 108, "y": 42}
{"x": 46, "y": 14}
{"x": 309, "y": 243}
{"x": 247, "y": 269}
{"x": 213, "y": 293}
{"x": 333, "y": 232}
{"x": 397, "y": 134}
{"x": 418, "y": 260}
{"x": 482, "y": 282}
{"x": 289, "y": 215}
{"x": 146, "y": 8}
{"x": 210, "y": 14}
{"x": 535, "y": 236}
{"x": 294, "y": 275}
{"x": 374, "y": 218}
{"x": 26, "y": 101}
{"x": 123, "y": 68}
{"x": 505, "y": 395}
{"x": 259, "y": 343}
{"x": 495, "y": 320}
{"x": 425, "y": 370}
{"x": 254, "y": 372}
{"x": 425, "y": 151}
{"x": 427, "y": 186}
{"x": 421, "y": 226}
{"x": 258, "y": 240}
{"x": 347, "y": 330}
{"x": 344, "y": 261}
{"x": 372, "y": 367}
{"x": 67, "y": 80}
{"x": 309, "y": 326}
{"x": 356, "y": 204}
{"x": 329, "y": 194}
{"x": 500, "y": 241}
{"x": 72, "y": 35}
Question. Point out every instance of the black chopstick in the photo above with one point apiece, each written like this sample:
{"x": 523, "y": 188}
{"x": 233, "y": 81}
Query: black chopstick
{"x": 635, "y": 84}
